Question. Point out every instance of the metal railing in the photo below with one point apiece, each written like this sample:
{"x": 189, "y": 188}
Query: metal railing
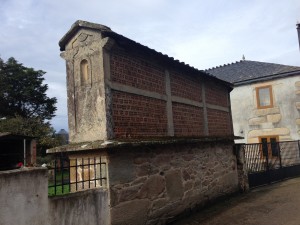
{"x": 262, "y": 157}
{"x": 74, "y": 174}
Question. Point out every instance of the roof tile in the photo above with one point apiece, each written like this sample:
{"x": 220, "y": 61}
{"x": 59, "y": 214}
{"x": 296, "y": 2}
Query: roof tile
{"x": 249, "y": 70}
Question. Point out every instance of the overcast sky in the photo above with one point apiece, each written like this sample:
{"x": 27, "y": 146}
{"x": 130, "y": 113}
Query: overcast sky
{"x": 201, "y": 33}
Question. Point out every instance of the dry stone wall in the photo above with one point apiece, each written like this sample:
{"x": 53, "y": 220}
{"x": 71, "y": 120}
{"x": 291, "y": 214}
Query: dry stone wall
{"x": 152, "y": 185}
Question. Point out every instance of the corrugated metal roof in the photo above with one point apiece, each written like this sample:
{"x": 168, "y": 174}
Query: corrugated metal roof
{"x": 9, "y": 135}
{"x": 128, "y": 43}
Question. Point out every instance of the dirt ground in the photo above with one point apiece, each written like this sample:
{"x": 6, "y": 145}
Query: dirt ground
{"x": 276, "y": 204}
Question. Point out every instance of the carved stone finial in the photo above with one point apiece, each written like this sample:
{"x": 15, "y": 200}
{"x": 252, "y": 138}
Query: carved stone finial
{"x": 243, "y": 58}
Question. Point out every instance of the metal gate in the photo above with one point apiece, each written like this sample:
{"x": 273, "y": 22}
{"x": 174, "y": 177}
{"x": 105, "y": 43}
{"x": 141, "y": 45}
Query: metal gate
{"x": 270, "y": 162}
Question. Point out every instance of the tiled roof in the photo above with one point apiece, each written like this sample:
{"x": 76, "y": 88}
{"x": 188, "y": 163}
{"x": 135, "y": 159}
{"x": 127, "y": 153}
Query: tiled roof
{"x": 246, "y": 70}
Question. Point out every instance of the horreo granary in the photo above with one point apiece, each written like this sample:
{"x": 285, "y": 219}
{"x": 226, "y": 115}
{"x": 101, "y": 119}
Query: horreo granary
{"x": 153, "y": 134}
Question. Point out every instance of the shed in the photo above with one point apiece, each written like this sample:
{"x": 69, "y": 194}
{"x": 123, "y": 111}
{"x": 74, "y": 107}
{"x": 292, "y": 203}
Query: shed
{"x": 16, "y": 149}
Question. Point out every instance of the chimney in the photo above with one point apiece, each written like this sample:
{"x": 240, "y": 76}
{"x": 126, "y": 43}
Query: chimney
{"x": 298, "y": 29}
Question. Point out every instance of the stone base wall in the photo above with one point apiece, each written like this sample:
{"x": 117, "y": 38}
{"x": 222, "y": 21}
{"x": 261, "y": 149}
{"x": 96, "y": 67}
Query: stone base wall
{"x": 23, "y": 196}
{"x": 154, "y": 184}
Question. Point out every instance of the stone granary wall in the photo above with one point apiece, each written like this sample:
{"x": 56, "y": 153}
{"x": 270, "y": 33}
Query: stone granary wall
{"x": 118, "y": 88}
{"x": 153, "y": 185}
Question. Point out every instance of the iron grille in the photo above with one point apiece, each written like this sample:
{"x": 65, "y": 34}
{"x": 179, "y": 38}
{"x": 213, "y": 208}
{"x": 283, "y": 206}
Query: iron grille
{"x": 73, "y": 174}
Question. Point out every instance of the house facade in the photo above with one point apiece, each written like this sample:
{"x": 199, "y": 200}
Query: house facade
{"x": 265, "y": 101}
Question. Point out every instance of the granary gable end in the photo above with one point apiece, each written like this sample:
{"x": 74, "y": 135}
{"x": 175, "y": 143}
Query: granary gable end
{"x": 83, "y": 51}
{"x": 118, "y": 88}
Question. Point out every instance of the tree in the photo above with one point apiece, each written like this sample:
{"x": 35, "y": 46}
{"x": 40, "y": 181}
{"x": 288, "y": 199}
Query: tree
{"x": 23, "y": 93}
{"x": 24, "y": 106}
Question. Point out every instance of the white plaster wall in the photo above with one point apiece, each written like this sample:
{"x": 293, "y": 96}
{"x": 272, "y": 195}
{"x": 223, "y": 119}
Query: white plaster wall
{"x": 24, "y": 201}
{"x": 89, "y": 207}
{"x": 86, "y": 100}
{"x": 244, "y": 108}
{"x": 23, "y": 197}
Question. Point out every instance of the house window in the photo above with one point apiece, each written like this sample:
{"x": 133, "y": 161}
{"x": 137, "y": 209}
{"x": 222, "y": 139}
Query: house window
{"x": 84, "y": 71}
{"x": 269, "y": 146}
{"x": 264, "y": 97}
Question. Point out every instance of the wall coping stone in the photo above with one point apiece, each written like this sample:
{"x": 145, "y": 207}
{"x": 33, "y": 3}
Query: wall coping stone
{"x": 120, "y": 143}
{"x": 78, "y": 193}
{"x": 22, "y": 170}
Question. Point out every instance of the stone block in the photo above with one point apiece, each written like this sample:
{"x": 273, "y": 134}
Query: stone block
{"x": 275, "y": 118}
{"x": 154, "y": 186}
{"x": 186, "y": 175}
{"x": 269, "y": 132}
{"x": 131, "y": 212}
{"x": 285, "y": 138}
{"x": 161, "y": 160}
{"x": 140, "y": 160}
{"x": 297, "y": 84}
{"x": 146, "y": 169}
{"x": 121, "y": 169}
{"x": 297, "y": 92}
{"x": 257, "y": 120}
{"x": 139, "y": 181}
{"x": 298, "y": 121}
{"x": 165, "y": 210}
{"x": 174, "y": 184}
{"x": 229, "y": 180}
{"x": 129, "y": 193}
{"x": 267, "y": 111}
{"x": 188, "y": 185}
{"x": 298, "y": 105}
{"x": 159, "y": 203}
{"x": 252, "y": 140}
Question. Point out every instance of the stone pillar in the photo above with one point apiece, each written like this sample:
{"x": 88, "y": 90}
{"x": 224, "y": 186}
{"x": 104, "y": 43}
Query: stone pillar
{"x": 204, "y": 110}
{"x": 241, "y": 168}
{"x": 169, "y": 105}
{"x": 33, "y": 152}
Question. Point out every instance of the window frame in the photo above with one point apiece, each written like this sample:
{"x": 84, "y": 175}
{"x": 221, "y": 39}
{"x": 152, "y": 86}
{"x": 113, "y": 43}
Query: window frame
{"x": 271, "y": 105}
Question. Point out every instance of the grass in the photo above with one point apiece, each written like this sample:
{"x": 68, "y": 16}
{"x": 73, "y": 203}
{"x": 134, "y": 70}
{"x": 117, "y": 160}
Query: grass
{"x": 60, "y": 190}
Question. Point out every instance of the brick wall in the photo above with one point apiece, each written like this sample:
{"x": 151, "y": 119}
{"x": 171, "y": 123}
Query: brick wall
{"x": 138, "y": 116}
{"x": 136, "y": 72}
{"x": 219, "y": 123}
{"x": 188, "y": 120}
{"x": 185, "y": 86}
{"x": 135, "y": 115}
{"x": 216, "y": 94}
